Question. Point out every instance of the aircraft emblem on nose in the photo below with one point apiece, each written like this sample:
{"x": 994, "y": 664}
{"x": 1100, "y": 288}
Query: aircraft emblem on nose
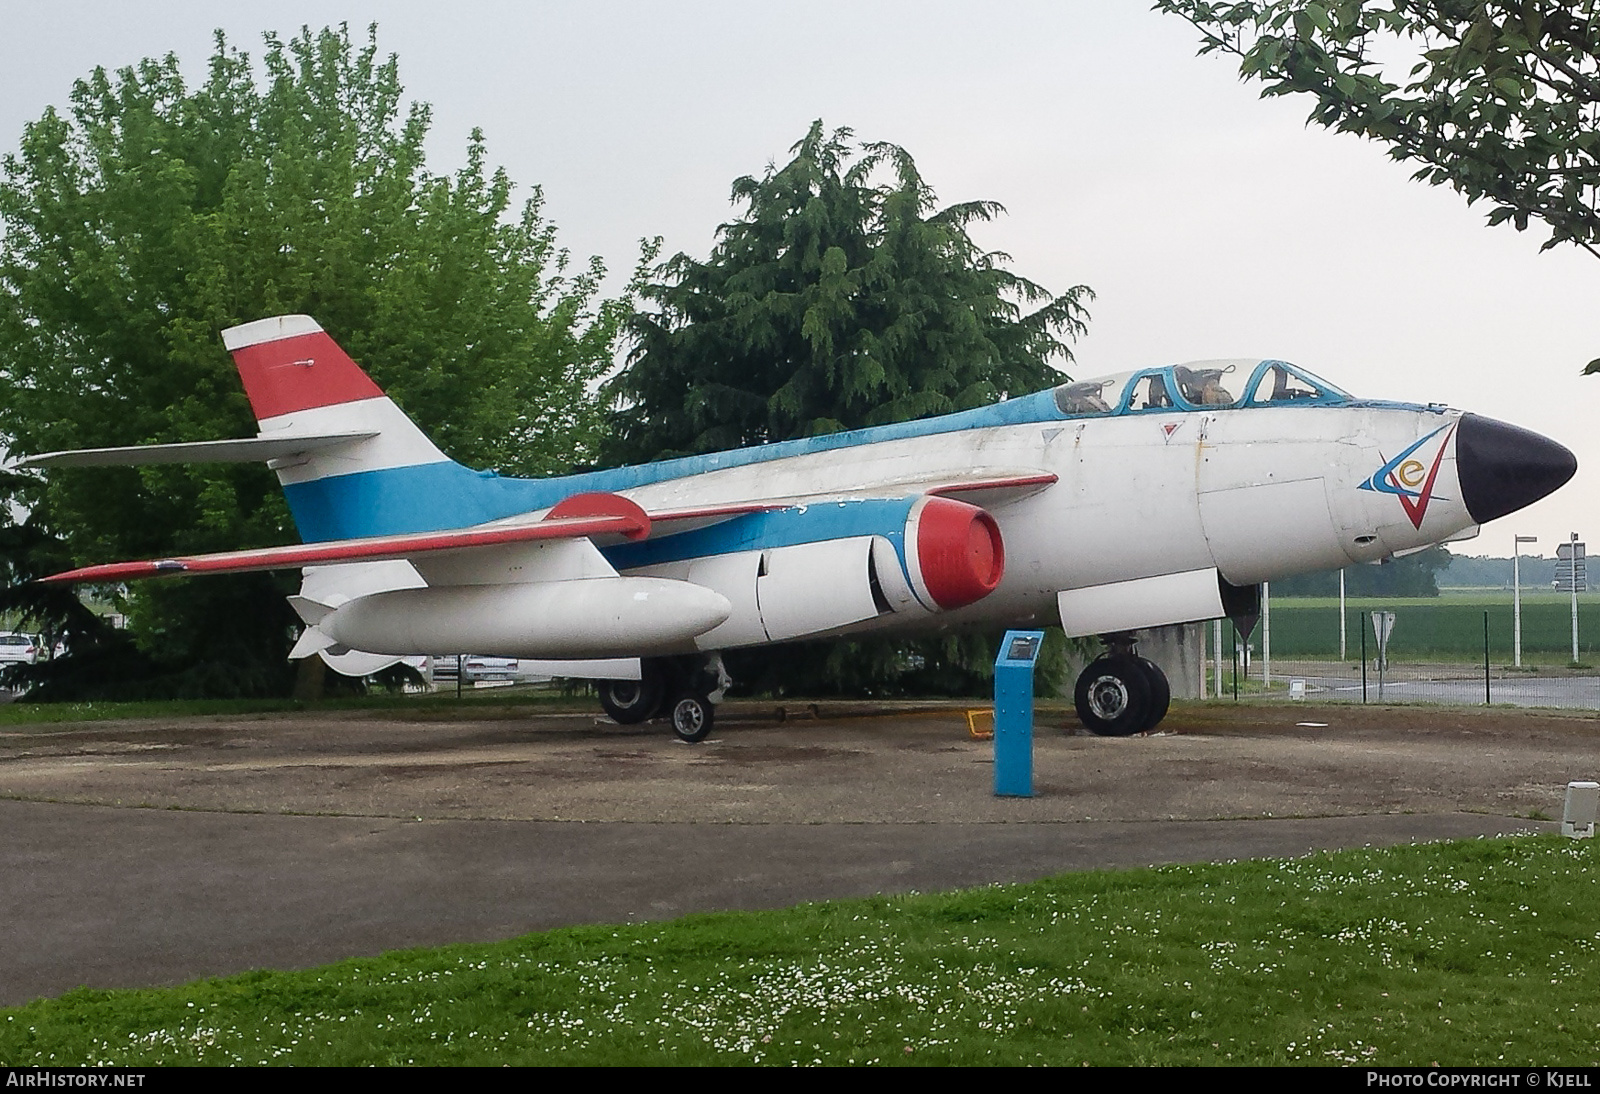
{"x": 1411, "y": 479}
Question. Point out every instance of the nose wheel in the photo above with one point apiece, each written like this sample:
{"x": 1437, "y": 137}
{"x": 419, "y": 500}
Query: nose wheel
{"x": 1120, "y": 694}
{"x": 692, "y": 716}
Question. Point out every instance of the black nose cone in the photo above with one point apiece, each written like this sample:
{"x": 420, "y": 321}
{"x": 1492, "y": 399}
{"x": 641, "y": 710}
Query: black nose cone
{"x": 1503, "y": 468}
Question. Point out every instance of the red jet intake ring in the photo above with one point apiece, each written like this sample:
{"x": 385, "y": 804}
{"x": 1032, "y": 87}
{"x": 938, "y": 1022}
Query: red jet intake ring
{"x": 959, "y": 552}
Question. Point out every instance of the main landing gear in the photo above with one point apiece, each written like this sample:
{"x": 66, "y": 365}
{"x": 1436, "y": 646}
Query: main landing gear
{"x": 683, "y": 689}
{"x": 1121, "y": 693}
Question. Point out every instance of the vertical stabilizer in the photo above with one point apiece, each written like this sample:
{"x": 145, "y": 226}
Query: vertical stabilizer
{"x": 300, "y": 382}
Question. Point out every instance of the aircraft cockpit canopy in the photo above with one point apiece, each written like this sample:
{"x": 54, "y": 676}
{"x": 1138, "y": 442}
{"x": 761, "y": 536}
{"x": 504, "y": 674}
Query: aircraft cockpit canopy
{"x": 1201, "y": 385}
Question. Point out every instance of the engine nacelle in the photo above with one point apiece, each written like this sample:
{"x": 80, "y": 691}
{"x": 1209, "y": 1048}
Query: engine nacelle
{"x": 836, "y": 564}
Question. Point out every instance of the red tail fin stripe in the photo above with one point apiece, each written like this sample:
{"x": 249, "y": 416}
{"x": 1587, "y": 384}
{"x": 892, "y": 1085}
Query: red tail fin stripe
{"x": 300, "y": 372}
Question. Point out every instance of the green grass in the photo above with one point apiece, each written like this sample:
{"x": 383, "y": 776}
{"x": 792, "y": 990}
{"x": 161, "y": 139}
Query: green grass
{"x": 1473, "y": 953}
{"x": 1481, "y": 598}
{"x": 1446, "y": 628}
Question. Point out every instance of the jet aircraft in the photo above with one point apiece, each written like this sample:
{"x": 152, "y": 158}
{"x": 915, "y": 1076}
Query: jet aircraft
{"x": 1111, "y": 505}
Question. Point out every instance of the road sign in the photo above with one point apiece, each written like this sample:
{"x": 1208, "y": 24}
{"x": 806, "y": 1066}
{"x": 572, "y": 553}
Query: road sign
{"x": 1382, "y": 627}
{"x": 1571, "y": 568}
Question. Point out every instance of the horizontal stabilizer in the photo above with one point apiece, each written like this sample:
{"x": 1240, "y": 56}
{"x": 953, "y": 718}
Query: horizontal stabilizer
{"x": 245, "y": 450}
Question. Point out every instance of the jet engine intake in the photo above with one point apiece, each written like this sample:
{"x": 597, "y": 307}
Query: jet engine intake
{"x": 954, "y": 553}
{"x": 917, "y": 555}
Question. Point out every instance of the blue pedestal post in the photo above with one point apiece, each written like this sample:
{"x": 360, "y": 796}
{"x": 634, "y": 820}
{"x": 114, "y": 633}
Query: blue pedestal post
{"x": 1013, "y": 713}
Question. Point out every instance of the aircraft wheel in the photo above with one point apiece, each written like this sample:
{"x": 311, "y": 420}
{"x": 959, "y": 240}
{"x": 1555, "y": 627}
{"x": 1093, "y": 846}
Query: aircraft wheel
{"x": 692, "y": 716}
{"x": 1160, "y": 692}
{"x": 1113, "y": 696}
{"x": 630, "y": 702}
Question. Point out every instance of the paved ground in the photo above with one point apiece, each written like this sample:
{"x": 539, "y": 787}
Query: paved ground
{"x": 1444, "y": 683}
{"x": 141, "y": 853}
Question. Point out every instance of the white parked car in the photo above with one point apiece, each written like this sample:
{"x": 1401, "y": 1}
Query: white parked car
{"x": 474, "y": 667}
{"x": 16, "y": 647}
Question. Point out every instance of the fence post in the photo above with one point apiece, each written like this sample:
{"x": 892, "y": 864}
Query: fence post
{"x": 1233, "y": 644}
{"x": 1363, "y": 629}
{"x": 1486, "y": 699}
{"x": 1342, "y": 654}
{"x": 1266, "y": 637}
{"x": 1216, "y": 660}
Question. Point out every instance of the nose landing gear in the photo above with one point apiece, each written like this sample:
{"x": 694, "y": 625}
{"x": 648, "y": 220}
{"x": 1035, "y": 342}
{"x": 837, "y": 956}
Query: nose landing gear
{"x": 1121, "y": 693}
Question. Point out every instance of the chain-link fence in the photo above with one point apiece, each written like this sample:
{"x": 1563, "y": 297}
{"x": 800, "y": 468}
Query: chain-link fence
{"x": 1465, "y": 650}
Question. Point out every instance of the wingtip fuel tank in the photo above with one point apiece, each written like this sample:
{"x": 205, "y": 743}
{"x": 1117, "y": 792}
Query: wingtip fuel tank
{"x": 584, "y": 618}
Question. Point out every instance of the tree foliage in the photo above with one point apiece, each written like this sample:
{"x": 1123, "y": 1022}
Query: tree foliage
{"x": 149, "y": 216}
{"x": 1499, "y": 99}
{"x": 841, "y": 298}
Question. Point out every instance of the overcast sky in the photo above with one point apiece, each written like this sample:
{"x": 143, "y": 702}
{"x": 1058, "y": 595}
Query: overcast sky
{"x": 1209, "y": 223}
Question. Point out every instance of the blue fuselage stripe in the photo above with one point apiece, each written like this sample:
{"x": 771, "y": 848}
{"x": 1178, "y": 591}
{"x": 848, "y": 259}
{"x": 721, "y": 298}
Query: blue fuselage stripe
{"x": 779, "y": 528}
{"x": 434, "y": 497}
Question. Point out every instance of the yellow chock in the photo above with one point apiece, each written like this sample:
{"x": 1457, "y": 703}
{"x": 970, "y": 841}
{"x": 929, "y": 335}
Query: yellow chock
{"x": 974, "y": 717}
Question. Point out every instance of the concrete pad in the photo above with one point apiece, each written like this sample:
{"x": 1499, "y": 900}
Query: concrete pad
{"x": 146, "y": 853}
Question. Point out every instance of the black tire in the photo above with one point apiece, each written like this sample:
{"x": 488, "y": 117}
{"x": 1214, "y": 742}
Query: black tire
{"x": 1160, "y": 692}
{"x": 691, "y": 716}
{"x": 630, "y": 702}
{"x": 1113, "y": 696}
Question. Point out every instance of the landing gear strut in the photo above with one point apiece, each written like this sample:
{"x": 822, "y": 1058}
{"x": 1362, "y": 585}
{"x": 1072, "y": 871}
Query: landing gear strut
{"x": 684, "y": 689}
{"x": 1121, "y": 693}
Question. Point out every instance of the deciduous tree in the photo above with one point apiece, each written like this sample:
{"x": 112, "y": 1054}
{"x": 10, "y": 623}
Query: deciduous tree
{"x": 149, "y": 215}
{"x": 1499, "y": 99}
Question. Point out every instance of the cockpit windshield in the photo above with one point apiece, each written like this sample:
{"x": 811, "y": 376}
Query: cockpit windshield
{"x": 1086, "y": 397}
{"x": 1204, "y": 386}
{"x": 1280, "y": 382}
{"x": 1201, "y": 385}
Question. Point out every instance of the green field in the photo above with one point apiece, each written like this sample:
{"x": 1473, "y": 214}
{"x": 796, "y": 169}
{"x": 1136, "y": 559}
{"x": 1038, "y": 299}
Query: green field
{"x": 1474, "y": 953}
{"x": 1448, "y": 626}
